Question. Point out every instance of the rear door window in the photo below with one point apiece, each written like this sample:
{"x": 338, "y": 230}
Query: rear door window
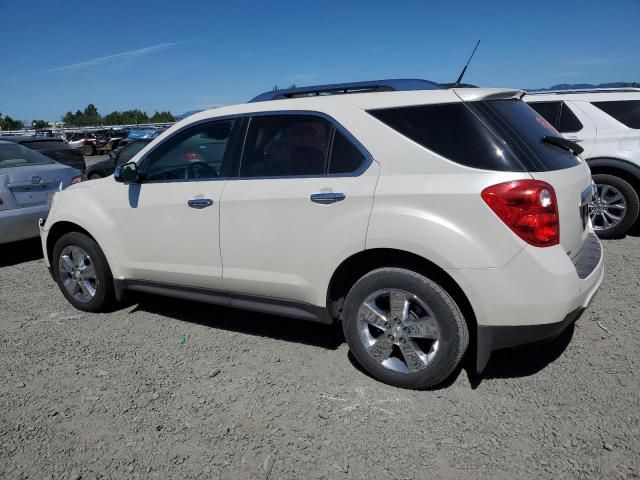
{"x": 626, "y": 112}
{"x": 550, "y": 111}
{"x": 286, "y": 145}
{"x": 568, "y": 123}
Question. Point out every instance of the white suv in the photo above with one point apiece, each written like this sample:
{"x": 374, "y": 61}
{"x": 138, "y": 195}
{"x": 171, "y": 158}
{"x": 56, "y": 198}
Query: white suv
{"x": 426, "y": 220}
{"x": 606, "y": 123}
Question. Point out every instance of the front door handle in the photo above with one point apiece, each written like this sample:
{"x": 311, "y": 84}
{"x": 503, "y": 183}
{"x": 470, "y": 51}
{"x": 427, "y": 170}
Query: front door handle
{"x": 327, "y": 198}
{"x": 575, "y": 139}
{"x": 200, "y": 202}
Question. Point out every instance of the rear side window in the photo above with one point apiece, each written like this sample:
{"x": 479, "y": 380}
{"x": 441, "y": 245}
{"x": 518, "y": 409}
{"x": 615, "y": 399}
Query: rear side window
{"x": 503, "y": 135}
{"x": 626, "y": 112}
{"x": 12, "y": 155}
{"x": 559, "y": 115}
{"x": 453, "y": 131}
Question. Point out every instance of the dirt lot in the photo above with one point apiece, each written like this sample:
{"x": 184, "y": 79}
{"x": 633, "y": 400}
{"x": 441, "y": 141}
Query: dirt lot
{"x": 251, "y": 396}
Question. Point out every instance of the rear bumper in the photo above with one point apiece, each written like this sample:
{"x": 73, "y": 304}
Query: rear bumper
{"x": 21, "y": 223}
{"x": 534, "y": 297}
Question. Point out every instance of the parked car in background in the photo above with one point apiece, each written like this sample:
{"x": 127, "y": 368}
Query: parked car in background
{"x": 419, "y": 217}
{"x": 606, "y": 123}
{"x": 28, "y": 180}
{"x": 122, "y": 155}
{"x": 54, "y": 148}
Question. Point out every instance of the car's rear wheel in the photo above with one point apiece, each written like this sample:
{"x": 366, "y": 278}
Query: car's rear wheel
{"x": 95, "y": 176}
{"x": 82, "y": 272}
{"x": 404, "y": 329}
{"x": 615, "y": 206}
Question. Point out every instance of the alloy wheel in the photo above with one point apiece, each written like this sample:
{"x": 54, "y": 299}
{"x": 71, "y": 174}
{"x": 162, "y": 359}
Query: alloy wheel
{"x": 77, "y": 273}
{"x": 398, "y": 330}
{"x": 608, "y": 207}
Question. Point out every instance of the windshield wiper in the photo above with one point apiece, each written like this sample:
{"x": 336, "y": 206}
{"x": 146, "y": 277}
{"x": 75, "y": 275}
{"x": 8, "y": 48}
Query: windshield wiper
{"x": 563, "y": 143}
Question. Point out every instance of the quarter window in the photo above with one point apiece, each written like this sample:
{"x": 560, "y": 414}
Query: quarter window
{"x": 286, "y": 145}
{"x": 197, "y": 153}
{"x": 626, "y": 112}
{"x": 345, "y": 157}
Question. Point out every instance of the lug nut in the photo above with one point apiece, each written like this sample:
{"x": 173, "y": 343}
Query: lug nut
{"x": 407, "y": 330}
{"x": 396, "y": 321}
{"x": 387, "y": 325}
{"x": 390, "y": 337}
{"x": 402, "y": 340}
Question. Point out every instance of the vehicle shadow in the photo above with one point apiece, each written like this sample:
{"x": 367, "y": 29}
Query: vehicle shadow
{"x": 522, "y": 361}
{"x": 242, "y": 321}
{"x": 20, "y": 252}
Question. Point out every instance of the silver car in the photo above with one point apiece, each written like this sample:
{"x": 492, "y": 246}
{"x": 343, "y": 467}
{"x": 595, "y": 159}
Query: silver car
{"x": 28, "y": 180}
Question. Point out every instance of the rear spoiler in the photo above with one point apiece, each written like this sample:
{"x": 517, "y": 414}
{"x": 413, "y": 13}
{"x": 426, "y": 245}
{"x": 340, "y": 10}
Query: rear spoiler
{"x": 475, "y": 94}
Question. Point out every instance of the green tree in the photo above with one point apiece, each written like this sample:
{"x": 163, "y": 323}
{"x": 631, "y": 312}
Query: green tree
{"x": 8, "y": 123}
{"x": 161, "y": 117}
{"x": 38, "y": 124}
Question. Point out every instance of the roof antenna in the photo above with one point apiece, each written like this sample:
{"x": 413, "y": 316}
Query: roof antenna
{"x": 457, "y": 84}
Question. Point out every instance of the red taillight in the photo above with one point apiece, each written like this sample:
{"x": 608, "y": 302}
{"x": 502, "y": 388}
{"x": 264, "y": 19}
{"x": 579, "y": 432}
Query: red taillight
{"x": 77, "y": 179}
{"x": 529, "y": 208}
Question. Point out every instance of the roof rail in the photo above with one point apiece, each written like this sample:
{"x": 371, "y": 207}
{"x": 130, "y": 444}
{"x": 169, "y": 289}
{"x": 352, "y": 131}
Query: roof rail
{"x": 389, "y": 85}
{"x": 584, "y": 90}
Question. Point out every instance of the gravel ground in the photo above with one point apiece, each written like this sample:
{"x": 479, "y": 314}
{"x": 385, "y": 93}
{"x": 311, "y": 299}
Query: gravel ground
{"x": 120, "y": 395}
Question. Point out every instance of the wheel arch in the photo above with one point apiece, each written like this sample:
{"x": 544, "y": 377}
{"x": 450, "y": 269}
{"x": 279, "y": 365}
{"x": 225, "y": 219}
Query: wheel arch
{"x": 618, "y": 167}
{"x": 61, "y": 228}
{"x": 360, "y": 263}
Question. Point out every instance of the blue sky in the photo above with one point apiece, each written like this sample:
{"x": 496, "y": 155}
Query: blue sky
{"x": 57, "y": 56}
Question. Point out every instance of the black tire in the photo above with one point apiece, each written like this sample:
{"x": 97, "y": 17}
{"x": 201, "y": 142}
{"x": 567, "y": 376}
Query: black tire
{"x": 453, "y": 331}
{"x": 631, "y": 213}
{"x": 104, "y": 296}
{"x": 88, "y": 150}
{"x": 95, "y": 176}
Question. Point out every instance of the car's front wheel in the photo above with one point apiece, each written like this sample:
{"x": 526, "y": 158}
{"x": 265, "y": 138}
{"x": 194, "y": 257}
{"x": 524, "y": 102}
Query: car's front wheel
{"x": 404, "y": 329}
{"x": 615, "y": 206}
{"x": 82, "y": 272}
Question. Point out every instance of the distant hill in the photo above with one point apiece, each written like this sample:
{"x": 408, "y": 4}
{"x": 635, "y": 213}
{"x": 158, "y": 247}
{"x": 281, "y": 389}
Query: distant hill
{"x": 577, "y": 86}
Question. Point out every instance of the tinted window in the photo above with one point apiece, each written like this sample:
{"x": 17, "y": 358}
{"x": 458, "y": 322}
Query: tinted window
{"x": 129, "y": 151}
{"x": 523, "y": 129}
{"x": 569, "y": 123}
{"x": 550, "y": 111}
{"x": 196, "y": 153}
{"x": 503, "y": 135}
{"x": 345, "y": 157}
{"x": 453, "y": 131}
{"x": 284, "y": 145}
{"x": 48, "y": 145}
{"x": 626, "y": 112}
{"x": 12, "y": 155}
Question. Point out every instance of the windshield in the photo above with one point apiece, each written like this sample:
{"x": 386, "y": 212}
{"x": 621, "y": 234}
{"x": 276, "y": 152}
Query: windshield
{"x": 13, "y": 155}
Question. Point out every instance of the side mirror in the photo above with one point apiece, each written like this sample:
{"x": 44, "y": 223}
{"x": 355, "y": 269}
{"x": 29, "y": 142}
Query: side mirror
{"x": 127, "y": 173}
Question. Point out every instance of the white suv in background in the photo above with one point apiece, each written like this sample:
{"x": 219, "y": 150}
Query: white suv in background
{"x": 606, "y": 123}
{"x": 426, "y": 220}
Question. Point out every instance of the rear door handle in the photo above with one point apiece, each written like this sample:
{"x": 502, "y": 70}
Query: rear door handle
{"x": 575, "y": 139}
{"x": 327, "y": 198}
{"x": 200, "y": 202}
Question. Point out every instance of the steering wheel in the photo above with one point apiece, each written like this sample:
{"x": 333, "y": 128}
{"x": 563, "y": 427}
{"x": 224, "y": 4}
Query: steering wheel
{"x": 200, "y": 169}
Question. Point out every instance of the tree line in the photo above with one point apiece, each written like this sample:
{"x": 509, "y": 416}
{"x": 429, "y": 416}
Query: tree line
{"x": 91, "y": 117}
{"x": 8, "y": 123}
